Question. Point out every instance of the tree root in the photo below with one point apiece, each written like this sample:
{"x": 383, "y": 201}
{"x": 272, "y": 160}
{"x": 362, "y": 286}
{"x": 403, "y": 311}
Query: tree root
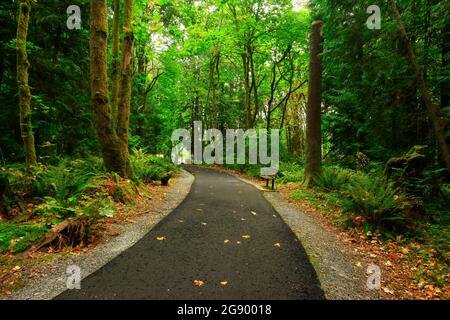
{"x": 69, "y": 233}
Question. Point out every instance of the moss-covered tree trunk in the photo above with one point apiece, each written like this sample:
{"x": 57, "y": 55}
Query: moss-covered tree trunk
{"x": 26, "y": 129}
{"x": 313, "y": 159}
{"x": 111, "y": 145}
{"x": 126, "y": 77}
{"x": 115, "y": 66}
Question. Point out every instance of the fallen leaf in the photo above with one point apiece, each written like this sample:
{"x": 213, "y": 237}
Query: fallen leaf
{"x": 161, "y": 238}
{"x": 226, "y": 241}
{"x": 246, "y": 237}
{"x": 253, "y": 213}
{"x": 387, "y": 290}
{"x": 242, "y": 219}
{"x": 393, "y": 256}
{"x": 199, "y": 283}
{"x": 224, "y": 283}
{"x": 16, "y": 268}
{"x": 278, "y": 245}
{"x": 8, "y": 293}
{"x": 204, "y": 223}
{"x": 238, "y": 242}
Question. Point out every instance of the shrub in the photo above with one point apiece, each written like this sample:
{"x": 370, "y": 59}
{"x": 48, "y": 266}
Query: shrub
{"x": 67, "y": 180}
{"x": 333, "y": 178}
{"x": 291, "y": 172}
{"x": 379, "y": 204}
{"x": 151, "y": 168}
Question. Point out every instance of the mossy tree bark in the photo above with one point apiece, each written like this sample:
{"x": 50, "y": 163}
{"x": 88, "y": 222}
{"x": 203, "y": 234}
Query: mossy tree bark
{"x": 23, "y": 65}
{"x": 313, "y": 159}
{"x": 115, "y": 160}
{"x": 115, "y": 66}
{"x": 126, "y": 77}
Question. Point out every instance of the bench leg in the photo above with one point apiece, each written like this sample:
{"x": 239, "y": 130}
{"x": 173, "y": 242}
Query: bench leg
{"x": 267, "y": 183}
{"x": 273, "y": 184}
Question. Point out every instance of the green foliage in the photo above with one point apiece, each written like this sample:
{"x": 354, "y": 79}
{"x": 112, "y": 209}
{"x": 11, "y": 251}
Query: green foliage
{"x": 333, "y": 178}
{"x": 69, "y": 179}
{"x": 151, "y": 168}
{"x": 381, "y": 206}
{"x": 291, "y": 172}
{"x": 17, "y": 238}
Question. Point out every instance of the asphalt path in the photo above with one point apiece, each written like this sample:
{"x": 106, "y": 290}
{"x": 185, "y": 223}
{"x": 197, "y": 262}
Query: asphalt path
{"x": 225, "y": 241}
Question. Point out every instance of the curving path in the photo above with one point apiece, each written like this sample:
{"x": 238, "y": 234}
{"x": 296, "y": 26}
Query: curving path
{"x": 219, "y": 207}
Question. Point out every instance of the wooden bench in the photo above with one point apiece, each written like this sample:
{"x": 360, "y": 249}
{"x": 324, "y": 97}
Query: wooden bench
{"x": 270, "y": 178}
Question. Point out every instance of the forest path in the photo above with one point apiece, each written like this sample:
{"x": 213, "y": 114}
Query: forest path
{"x": 206, "y": 239}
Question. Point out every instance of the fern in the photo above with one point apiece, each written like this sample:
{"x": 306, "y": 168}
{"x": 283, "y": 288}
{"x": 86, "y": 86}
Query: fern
{"x": 333, "y": 179}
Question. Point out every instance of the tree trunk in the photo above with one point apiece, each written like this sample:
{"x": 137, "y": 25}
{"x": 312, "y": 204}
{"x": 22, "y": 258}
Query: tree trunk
{"x": 126, "y": 77}
{"x": 255, "y": 89}
{"x": 110, "y": 144}
{"x": 115, "y": 66}
{"x": 214, "y": 80}
{"x": 434, "y": 113}
{"x": 313, "y": 159}
{"x": 445, "y": 88}
{"x": 247, "y": 90}
{"x": 26, "y": 128}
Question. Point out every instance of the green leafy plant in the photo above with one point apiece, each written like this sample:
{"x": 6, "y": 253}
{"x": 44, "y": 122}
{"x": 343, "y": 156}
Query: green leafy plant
{"x": 380, "y": 205}
{"x": 333, "y": 178}
{"x": 151, "y": 168}
{"x": 16, "y": 238}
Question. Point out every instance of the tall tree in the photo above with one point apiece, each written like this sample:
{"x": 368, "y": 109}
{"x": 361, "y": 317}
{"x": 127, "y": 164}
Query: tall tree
{"x": 313, "y": 157}
{"x": 23, "y": 65}
{"x": 434, "y": 112}
{"x": 112, "y": 149}
{"x": 115, "y": 66}
{"x": 126, "y": 78}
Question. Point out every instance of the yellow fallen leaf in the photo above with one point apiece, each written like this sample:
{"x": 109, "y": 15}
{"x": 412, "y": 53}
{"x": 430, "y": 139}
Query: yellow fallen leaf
{"x": 242, "y": 219}
{"x": 224, "y": 283}
{"x": 387, "y": 290}
{"x": 238, "y": 242}
{"x": 204, "y": 223}
{"x": 199, "y": 283}
{"x": 226, "y": 241}
{"x": 246, "y": 237}
{"x": 278, "y": 245}
{"x": 254, "y": 213}
{"x": 161, "y": 238}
